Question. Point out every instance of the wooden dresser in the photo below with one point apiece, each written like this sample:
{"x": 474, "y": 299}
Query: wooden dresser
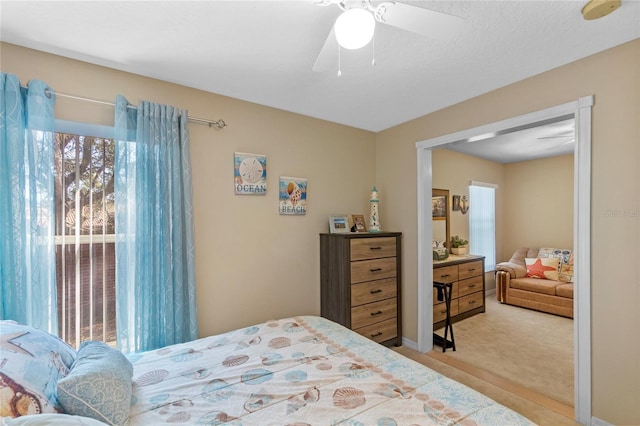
{"x": 360, "y": 283}
{"x": 467, "y": 296}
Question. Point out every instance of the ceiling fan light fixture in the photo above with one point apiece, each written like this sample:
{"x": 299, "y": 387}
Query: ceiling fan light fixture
{"x": 354, "y": 28}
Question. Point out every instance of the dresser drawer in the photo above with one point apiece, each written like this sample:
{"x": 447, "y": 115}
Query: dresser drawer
{"x": 379, "y": 332}
{"x": 373, "y": 291}
{"x": 471, "y": 269}
{"x": 373, "y": 312}
{"x": 454, "y": 293}
{"x": 471, "y": 301}
{"x": 447, "y": 274}
{"x": 367, "y": 270}
{"x": 440, "y": 311}
{"x": 372, "y": 248}
{"x": 470, "y": 285}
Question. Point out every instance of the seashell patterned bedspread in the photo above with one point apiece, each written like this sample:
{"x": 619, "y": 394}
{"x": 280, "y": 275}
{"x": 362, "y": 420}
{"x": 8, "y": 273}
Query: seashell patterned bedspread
{"x": 299, "y": 371}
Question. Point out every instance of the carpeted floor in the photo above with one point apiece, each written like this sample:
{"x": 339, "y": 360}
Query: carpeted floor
{"x": 530, "y": 348}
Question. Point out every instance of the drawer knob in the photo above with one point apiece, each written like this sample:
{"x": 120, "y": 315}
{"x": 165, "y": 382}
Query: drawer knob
{"x": 373, "y": 314}
{"x": 472, "y": 302}
{"x": 472, "y": 285}
{"x": 375, "y": 248}
{"x": 379, "y": 333}
{"x": 444, "y": 276}
{"x": 375, "y": 291}
{"x": 375, "y": 270}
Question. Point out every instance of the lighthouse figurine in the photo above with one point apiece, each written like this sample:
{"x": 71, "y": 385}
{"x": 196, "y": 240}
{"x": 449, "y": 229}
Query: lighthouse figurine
{"x": 374, "y": 220}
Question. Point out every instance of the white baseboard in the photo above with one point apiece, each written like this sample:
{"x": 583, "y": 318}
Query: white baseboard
{"x": 490, "y": 292}
{"x": 599, "y": 422}
{"x": 409, "y": 344}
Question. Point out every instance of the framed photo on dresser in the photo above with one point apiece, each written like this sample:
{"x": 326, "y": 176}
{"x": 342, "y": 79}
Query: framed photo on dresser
{"x": 357, "y": 223}
{"x": 339, "y": 224}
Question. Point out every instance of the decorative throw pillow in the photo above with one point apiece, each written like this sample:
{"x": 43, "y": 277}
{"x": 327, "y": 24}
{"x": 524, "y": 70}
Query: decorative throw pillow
{"x": 546, "y": 268}
{"x": 32, "y": 362}
{"x": 565, "y": 267}
{"x": 50, "y": 419}
{"x": 98, "y": 385}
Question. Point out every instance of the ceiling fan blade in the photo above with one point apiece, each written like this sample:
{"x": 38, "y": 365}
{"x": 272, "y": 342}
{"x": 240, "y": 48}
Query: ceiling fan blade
{"x": 421, "y": 21}
{"x": 328, "y": 57}
{"x": 557, "y": 137}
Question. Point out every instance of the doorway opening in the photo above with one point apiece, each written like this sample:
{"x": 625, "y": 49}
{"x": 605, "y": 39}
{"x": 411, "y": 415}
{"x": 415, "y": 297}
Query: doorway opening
{"x": 581, "y": 112}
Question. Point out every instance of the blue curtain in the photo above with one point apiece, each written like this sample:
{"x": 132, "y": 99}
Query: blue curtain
{"x": 27, "y": 239}
{"x": 155, "y": 270}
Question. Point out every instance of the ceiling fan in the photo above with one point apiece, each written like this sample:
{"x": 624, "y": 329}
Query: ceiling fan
{"x": 355, "y": 26}
{"x": 561, "y": 130}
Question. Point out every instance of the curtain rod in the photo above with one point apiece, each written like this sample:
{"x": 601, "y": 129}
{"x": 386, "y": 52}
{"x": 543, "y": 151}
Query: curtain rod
{"x": 218, "y": 124}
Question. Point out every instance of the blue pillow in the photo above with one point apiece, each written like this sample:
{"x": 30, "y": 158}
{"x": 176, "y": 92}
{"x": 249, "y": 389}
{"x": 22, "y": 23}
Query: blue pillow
{"x": 98, "y": 385}
{"x": 31, "y": 363}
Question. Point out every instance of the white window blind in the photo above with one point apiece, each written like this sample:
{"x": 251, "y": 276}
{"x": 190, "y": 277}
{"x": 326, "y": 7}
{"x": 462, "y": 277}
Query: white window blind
{"x": 85, "y": 240}
{"x": 482, "y": 222}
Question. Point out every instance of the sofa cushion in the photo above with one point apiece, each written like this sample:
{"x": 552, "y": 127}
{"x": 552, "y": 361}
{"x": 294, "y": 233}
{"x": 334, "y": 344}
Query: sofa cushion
{"x": 565, "y": 290}
{"x": 523, "y": 252}
{"x": 535, "y": 285}
{"x": 513, "y": 269}
{"x": 565, "y": 267}
{"x": 545, "y": 268}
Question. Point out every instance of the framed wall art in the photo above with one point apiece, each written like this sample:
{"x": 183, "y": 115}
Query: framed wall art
{"x": 250, "y": 173}
{"x": 455, "y": 204}
{"x": 292, "y": 193}
{"x": 439, "y": 207}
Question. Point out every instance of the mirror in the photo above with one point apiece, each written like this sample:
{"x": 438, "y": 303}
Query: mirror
{"x": 440, "y": 213}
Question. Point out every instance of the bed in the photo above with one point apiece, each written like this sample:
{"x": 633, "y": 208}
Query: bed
{"x": 295, "y": 371}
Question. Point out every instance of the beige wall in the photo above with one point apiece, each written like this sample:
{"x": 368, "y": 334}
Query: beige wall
{"x": 538, "y": 207}
{"x": 613, "y": 77}
{"x": 251, "y": 263}
{"x": 453, "y": 171}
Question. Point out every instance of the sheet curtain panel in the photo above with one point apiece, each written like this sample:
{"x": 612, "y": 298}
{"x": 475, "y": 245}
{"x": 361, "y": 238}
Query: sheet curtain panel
{"x": 27, "y": 231}
{"x": 155, "y": 259}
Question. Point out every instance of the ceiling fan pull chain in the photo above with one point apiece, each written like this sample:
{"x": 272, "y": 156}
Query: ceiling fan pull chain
{"x": 339, "y": 63}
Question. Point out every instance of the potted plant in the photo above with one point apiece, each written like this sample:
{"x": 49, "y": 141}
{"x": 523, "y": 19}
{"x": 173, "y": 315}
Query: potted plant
{"x": 459, "y": 245}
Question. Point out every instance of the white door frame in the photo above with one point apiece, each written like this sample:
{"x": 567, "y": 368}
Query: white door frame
{"x": 581, "y": 112}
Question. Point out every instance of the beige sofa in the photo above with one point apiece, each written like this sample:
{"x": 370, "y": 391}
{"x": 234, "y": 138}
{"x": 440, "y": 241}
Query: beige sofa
{"x": 514, "y": 287}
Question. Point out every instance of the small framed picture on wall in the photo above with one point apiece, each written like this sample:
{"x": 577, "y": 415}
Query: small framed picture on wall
{"x": 455, "y": 205}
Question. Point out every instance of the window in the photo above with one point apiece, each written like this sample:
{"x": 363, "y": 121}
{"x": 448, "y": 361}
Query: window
{"x": 482, "y": 222}
{"x": 85, "y": 236}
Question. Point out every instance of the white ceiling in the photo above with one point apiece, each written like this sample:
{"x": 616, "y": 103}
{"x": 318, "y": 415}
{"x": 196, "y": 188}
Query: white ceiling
{"x": 540, "y": 141}
{"x": 264, "y": 51}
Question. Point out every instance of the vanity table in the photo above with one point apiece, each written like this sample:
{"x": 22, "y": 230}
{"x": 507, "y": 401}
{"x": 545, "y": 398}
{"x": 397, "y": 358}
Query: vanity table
{"x": 466, "y": 275}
